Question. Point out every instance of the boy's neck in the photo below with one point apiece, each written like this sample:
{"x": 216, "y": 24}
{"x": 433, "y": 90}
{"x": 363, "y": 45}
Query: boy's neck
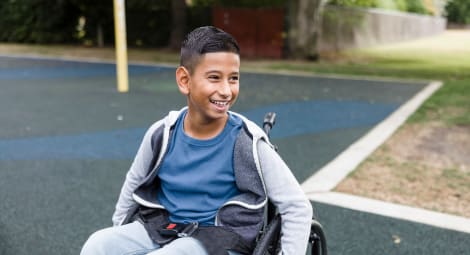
{"x": 203, "y": 130}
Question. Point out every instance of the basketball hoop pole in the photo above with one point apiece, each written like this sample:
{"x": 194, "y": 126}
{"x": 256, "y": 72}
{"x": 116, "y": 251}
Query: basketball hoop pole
{"x": 121, "y": 46}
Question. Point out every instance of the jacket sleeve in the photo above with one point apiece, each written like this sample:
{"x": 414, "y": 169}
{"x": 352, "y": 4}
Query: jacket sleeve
{"x": 135, "y": 176}
{"x": 286, "y": 194}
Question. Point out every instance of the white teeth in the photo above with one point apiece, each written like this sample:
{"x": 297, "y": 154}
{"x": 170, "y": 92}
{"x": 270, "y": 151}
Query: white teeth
{"x": 221, "y": 103}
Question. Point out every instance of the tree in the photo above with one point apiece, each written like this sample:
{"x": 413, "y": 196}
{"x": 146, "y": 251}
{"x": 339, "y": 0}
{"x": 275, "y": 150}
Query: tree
{"x": 31, "y": 21}
{"x": 304, "y": 19}
{"x": 458, "y": 11}
{"x": 97, "y": 15}
{"x": 178, "y": 11}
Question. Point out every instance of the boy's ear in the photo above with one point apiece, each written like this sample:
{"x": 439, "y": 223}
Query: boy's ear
{"x": 183, "y": 79}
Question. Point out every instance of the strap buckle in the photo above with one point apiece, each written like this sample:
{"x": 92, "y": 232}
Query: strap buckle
{"x": 179, "y": 229}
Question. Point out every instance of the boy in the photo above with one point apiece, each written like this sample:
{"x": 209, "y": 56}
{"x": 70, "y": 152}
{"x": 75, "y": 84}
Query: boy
{"x": 202, "y": 175}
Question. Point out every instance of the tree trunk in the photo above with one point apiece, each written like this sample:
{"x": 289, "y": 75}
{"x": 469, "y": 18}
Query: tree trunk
{"x": 178, "y": 11}
{"x": 304, "y": 27}
{"x": 99, "y": 35}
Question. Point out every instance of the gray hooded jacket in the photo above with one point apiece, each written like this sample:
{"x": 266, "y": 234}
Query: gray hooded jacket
{"x": 259, "y": 172}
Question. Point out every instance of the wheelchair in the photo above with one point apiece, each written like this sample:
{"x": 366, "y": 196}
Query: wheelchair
{"x": 269, "y": 241}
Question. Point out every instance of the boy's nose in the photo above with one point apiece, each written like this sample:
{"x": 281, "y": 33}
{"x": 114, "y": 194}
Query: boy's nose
{"x": 224, "y": 89}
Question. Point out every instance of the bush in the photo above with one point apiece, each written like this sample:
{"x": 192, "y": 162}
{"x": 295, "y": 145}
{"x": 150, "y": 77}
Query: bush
{"x": 240, "y": 3}
{"x": 355, "y": 3}
{"x": 416, "y": 6}
{"x": 43, "y": 21}
{"x": 458, "y": 11}
{"x": 401, "y": 5}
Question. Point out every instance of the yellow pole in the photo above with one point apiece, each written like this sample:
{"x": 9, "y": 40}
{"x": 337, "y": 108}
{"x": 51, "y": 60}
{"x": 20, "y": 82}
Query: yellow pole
{"x": 121, "y": 46}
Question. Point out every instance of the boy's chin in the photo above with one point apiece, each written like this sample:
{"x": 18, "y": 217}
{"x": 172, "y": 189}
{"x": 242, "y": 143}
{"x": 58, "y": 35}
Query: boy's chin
{"x": 218, "y": 115}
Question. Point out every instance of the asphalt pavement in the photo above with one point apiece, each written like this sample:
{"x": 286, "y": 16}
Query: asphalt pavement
{"x": 67, "y": 139}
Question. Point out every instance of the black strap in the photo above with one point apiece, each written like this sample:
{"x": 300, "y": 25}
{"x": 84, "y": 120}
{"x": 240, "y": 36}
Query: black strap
{"x": 154, "y": 220}
{"x": 216, "y": 240}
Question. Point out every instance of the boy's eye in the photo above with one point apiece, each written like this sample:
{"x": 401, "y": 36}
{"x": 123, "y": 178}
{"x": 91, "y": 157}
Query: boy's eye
{"x": 234, "y": 78}
{"x": 213, "y": 77}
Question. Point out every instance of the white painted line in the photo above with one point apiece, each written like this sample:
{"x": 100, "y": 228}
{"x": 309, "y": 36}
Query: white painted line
{"x": 401, "y": 212}
{"x": 335, "y": 171}
{"x": 318, "y": 187}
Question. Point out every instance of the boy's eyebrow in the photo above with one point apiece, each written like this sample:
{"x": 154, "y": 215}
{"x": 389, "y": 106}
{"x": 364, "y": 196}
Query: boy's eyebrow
{"x": 218, "y": 71}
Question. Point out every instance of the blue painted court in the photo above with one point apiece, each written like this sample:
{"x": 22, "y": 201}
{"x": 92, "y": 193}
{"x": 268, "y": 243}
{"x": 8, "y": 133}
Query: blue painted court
{"x": 67, "y": 139}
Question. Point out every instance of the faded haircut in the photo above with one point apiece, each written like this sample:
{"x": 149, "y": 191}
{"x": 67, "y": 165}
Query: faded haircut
{"x": 204, "y": 40}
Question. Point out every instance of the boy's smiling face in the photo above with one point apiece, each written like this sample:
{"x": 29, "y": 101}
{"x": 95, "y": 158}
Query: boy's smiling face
{"x": 212, "y": 88}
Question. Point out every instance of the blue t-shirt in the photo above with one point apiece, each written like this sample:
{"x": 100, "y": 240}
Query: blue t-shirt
{"x": 197, "y": 176}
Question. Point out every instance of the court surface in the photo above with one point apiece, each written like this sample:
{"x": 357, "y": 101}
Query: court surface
{"x": 67, "y": 139}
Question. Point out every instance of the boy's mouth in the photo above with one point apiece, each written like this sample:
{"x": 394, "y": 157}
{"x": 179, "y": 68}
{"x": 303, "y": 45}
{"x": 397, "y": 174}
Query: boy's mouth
{"x": 219, "y": 103}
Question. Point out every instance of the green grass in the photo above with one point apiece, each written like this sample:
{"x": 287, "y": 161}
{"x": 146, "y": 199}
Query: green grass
{"x": 456, "y": 179}
{"x": 451, "y": 104}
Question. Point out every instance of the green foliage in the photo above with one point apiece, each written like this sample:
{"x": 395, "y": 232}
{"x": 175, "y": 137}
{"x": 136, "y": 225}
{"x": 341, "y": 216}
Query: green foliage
{"x": 37, "y": 21}
{"x": 396, "y": 5}
{"x": 387, "y": 4}
{"x": 148, "y": 22}
{"x": 241, "y": 3}
{"x": 401, "y": 5}
{"x": 57, "y": 21}
{"x": 354, "y": 3}
{"x": 416, "y": 6}
{"x": 458, "y": 11}
{"x": 95, "y": 13}
{"x": 198, "y": 16}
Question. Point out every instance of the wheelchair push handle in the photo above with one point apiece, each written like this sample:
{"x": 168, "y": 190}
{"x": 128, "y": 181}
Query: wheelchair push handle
{"x": 269, "y": 240}
{"x": 269, "y": 121}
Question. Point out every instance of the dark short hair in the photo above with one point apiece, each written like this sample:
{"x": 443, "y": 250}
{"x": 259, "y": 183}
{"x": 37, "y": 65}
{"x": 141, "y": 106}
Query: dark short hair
{"x": 204, "y": 40}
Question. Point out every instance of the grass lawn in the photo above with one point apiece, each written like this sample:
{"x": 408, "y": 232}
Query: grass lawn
{"x": 425, "y": 163}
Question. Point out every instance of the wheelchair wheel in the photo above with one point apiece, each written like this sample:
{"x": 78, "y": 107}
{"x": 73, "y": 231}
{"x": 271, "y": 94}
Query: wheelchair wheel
{"x": 317, "y": 239}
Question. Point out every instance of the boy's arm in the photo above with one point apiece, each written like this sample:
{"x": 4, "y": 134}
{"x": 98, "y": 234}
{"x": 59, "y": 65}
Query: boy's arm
{"x": 134, "y": 177}
{"x": 286, "y": 194}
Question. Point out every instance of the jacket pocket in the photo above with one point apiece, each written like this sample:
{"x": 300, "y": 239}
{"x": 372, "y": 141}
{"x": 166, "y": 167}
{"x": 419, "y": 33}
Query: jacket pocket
{"x": 245, "y": 222}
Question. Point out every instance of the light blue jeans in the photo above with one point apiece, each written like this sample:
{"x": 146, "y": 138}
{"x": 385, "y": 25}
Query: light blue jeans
{"x": 132, "y": 239}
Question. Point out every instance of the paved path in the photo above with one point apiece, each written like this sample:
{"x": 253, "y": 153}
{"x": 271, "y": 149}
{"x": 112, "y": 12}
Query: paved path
{"x": 67, "y": 139}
